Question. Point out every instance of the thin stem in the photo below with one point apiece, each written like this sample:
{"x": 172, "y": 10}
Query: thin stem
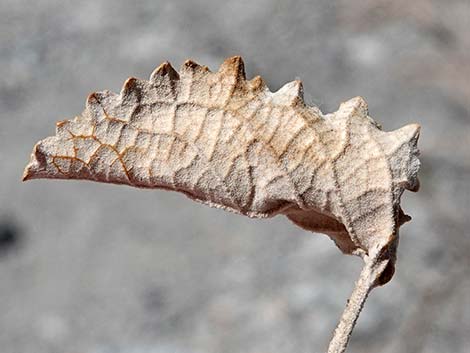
{"x": 373, "y": 268}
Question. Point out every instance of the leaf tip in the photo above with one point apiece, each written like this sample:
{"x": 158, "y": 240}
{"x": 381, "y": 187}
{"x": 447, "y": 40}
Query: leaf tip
{"x": 35, "y": 165}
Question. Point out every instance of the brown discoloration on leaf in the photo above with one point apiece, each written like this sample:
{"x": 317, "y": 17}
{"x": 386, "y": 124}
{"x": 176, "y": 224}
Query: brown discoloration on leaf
{"x": 230, "y": 143}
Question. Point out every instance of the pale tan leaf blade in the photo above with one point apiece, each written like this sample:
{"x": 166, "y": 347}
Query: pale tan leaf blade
{"x": 231, "y": 143}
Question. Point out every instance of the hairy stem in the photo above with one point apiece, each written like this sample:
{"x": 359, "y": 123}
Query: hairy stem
{"x": 373, "y": 268}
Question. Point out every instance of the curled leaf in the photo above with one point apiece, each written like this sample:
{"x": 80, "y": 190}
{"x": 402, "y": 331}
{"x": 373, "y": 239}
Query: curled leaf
{"x": 230, "y": 143}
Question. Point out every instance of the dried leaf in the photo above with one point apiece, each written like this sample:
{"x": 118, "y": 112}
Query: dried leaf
{"x": 230, "y": 143}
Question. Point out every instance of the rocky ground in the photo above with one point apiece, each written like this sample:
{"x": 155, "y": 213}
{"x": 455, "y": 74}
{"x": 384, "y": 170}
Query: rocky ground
{"x": 89, "y": 268}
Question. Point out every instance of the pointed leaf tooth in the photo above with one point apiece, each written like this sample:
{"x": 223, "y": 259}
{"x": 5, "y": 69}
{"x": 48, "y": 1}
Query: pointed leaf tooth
{"x": 191, "y": 66}
{"x": 61, "y": 128}
{"x": 233, "y": 67}
{"x": 402, "y": 217}
{"x": 257, "y": 83}
{"x": 290, "y": 94}
{"x": 355, "y": 106}
{"x": 415, "y": 186}
{"x": 93, "y": 107}
{"x": 129, "y": 85}
{"x": 92, "y": 99}
{"x": 408, "y": 133}
{"x": 103, "y": 98}
{"x": 401, "y": 146}
{"x": 165, "y": 69}
{"x": 95, "y": 103}
{"x": 411, "y": 133}
{"x": 61, "y": 123}
{"x": 41, "y": 164}
{"x": 36, "y": 163}
{"x": 131, "y": 91}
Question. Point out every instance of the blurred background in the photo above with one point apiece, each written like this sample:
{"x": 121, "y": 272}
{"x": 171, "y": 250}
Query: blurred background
{"x": 95, "y": 268}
